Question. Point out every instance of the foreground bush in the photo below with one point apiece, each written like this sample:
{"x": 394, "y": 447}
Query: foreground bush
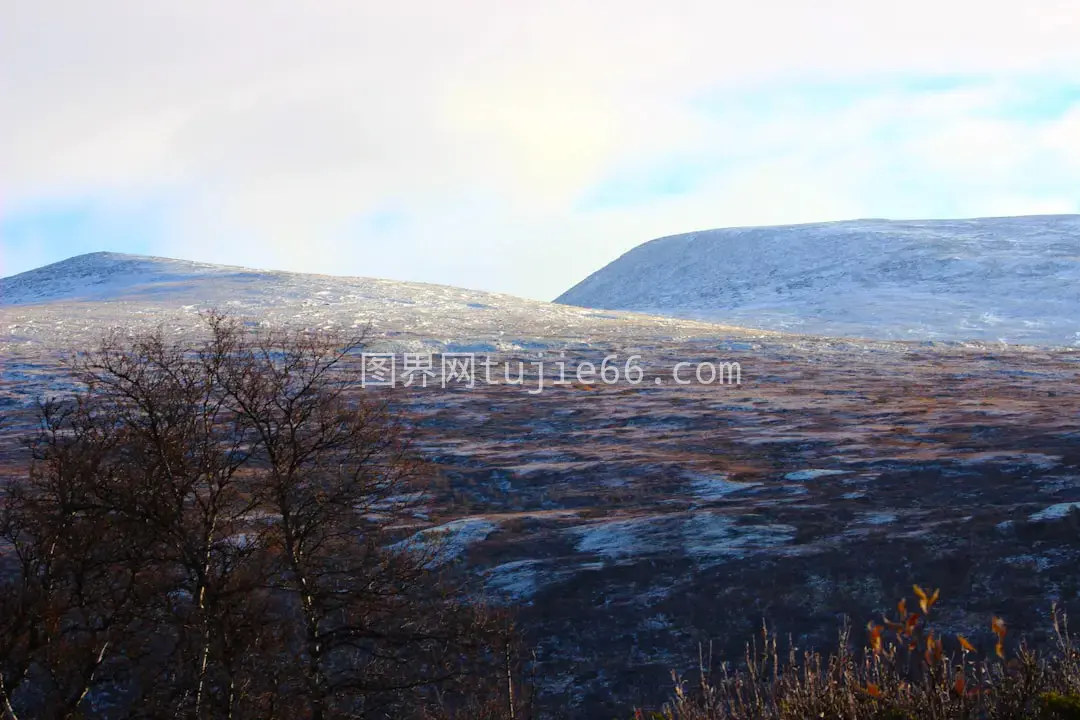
{"x": 907, "y": 672}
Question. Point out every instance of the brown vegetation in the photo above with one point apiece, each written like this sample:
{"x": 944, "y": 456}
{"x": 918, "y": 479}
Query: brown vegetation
{"x": 210, "y": 533}
{"x": 906, "y": 672}
{"x": 217, "y": 533}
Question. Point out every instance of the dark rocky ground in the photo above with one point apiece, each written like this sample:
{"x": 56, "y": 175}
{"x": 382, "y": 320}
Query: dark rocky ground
{"x": 633, "y": 524}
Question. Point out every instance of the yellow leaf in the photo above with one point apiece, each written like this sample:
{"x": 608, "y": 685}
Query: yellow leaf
{"x": 968, "y": 647}
{"x": 923, "y": 599}
{"x": 875, "y": 637}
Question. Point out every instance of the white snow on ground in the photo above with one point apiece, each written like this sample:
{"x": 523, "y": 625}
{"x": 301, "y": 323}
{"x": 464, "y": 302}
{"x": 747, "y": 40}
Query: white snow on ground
{"x": 804, "y": 475}
{"x": 1055, "y": 512}
{"x": 396, "y": 502}
{"x": 1040, "y": 562}
{"x": 879, "y": 518}
{"x": 619, "y": 538}
{"x": 1015, "y": 280}
{"x": 71, "y": 302}
{"x": 701, "y": 535}
{"x": 1040, "y": 460}
{"x": 709, "y": 488}
{"x": 518, "y": 579}
{"x": 712, "y": 535}
{"x": 449, "y": 541}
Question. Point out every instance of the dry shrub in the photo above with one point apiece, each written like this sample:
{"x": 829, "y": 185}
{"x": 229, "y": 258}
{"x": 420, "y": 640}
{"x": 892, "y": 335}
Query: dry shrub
{"x": 906, "y": 672}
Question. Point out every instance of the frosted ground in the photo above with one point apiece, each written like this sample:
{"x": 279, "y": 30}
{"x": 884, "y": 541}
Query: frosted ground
{"x": 1015, "y": 280}
{"x": 70, "y": 302}
{"x": 631, "y": 523}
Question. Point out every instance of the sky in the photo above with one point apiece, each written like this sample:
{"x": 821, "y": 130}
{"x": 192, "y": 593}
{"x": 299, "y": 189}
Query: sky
{"x": 516, "y": 146}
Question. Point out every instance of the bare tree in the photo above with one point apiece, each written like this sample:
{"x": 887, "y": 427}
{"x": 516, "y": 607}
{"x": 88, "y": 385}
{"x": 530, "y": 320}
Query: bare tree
{"x": 71, "y": 587}
{"x": 213, "y": 531}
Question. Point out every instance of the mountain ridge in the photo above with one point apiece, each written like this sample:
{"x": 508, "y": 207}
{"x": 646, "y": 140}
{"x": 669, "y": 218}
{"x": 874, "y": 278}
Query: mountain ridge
{"x": 1014, "y": 279}
{"x": 73, "y": 301}
{"x": 103, "y": 265}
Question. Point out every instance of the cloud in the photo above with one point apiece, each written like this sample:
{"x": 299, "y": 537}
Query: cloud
{"x": 518, "y": 146}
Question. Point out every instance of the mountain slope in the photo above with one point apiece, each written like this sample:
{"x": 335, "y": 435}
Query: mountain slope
{"x": 107, "y": 276}
{"x": 74, "y": 300}
{"x": 1012, "y": 279}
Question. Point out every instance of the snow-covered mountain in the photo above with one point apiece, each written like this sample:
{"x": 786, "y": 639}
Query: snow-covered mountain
{"x": 1012, "y": 279}
{"x": 110, "y": 276}
{"x": 75, "y": 300}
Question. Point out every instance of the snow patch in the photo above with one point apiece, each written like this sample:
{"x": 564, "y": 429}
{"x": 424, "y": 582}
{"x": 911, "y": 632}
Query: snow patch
{"x": 518, "y": 579}
{"x": 448, "y": 541}
{"x": 1055, "y": 512}
{"x": 708, "y": 488}
{"x": 702, "y": 535}
{"x": 710, "y": 535}
{"x": 804, "y": 475}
